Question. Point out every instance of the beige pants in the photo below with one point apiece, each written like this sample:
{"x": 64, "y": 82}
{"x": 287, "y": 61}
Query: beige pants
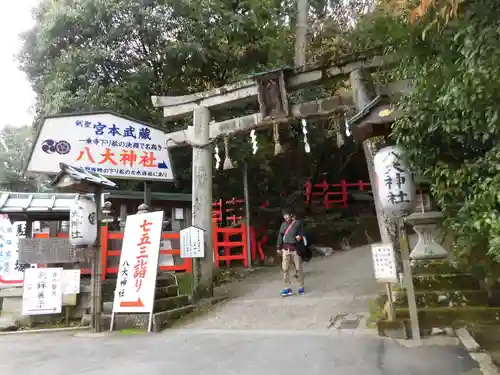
{"x": 288, "y": 258}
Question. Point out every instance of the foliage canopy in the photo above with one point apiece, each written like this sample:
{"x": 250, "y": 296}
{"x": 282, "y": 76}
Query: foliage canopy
{"x": 452, "y": 123}
{"x": 85, "y": 55}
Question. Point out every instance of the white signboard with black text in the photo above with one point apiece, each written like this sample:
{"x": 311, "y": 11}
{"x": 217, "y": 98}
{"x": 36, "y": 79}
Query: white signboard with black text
{"x": 192, "y": 242}
{"x": 42, "y": 293}
{"x": 109, "y": 144}
{"x": 136, "y": 280}
{"x": 384, "y": 263}
{"x": 71, "y": 281}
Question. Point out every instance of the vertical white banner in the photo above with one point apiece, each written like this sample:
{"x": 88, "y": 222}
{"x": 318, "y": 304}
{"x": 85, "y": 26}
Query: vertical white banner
{"x": 136, "y": 281}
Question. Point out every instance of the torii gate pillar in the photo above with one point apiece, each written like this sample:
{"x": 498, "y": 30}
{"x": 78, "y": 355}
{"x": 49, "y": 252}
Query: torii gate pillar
{"x": 202, "y": 201}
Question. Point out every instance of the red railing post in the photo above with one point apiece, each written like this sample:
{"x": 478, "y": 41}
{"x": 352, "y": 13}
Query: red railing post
{"x": 345, "y": 196}
{"x": 307, "y": 191}
{"x": 215, "y": 244}
{"x": 227, "y": 250}
{"x": 253, "y": 241}
{"x": 244, "y": 237}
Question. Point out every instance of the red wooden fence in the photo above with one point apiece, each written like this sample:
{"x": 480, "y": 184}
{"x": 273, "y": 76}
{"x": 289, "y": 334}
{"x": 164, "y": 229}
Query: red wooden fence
{"x": 233, "y": 249}
{"x": 227, "y": 242}
{"x": 109, "y": 252}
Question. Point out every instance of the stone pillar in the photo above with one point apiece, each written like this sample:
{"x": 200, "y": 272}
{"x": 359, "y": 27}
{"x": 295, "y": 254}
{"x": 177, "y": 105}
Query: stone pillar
{"x": 143, "y": 208}
{"x": 123, "y": 217}
{"x": 202, "y": 201}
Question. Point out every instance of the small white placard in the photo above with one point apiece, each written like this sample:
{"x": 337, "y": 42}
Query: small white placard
{"x": 71, "y": 281}
{"x": 179, "y": 213}
{"x": 42, "y": 293}
{"x": 192, "y": 243}
{"x": 384, "y": 263}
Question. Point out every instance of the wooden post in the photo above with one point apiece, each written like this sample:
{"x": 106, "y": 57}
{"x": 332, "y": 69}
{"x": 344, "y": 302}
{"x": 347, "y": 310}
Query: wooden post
{"x": 202, "y": 201}
{"x": 408, "y": 280}
{"x": 96, "y": 269}
{"x": 247, "y": 214}
{"x": 147, "y": 194}
{"x": 363, "y": 92}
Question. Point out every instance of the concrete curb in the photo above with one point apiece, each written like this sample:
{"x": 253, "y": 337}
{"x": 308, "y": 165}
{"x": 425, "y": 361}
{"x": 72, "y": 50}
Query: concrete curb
{"x": 486, "y": 364}
{"x": 47, "y": 330}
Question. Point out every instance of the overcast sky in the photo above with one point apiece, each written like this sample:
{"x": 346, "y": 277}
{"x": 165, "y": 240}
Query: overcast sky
{"x": 16, "y": 97}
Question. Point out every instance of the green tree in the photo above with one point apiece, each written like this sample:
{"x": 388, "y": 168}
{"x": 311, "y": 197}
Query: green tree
{"x": 15, "y": 146}
{"x": 452, "y": 122}
{"x": 95, "y": 54}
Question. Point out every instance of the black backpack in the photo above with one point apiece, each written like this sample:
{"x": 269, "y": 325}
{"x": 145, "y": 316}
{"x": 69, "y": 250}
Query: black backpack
{"x": 304, "y": 251}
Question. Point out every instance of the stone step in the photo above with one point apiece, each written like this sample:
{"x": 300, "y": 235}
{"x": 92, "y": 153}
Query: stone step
{"x": 441, "y": 317}
{"x": 165, "y": 280}
{"x": 170, "y": 303}
{"x": 161, "y": 304}
{"x": 461, "y": 281}
{"x": 109, "y": 285}
{"x": 161, "y": 320}
{"x": 444, "y": 298}
{"x": 165, "y": 319}
{"x": 166, "y": 291}
{"x": 434, "y": 267}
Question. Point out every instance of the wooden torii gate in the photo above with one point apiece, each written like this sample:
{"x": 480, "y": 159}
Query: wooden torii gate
{"x": 270, "y": 90}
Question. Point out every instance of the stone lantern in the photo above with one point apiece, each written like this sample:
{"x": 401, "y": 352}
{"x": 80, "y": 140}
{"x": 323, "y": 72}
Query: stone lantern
{"x": 426, "y": 221}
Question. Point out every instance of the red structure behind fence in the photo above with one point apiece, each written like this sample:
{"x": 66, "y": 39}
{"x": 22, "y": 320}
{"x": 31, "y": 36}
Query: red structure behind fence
{"x": 331, "y": 194}
{"x": 324, "y": 193}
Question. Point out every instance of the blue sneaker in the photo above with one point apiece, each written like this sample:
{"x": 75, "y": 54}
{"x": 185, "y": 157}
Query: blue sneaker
{"x": 286, "y": 292}
{"x": 301, "y": 291}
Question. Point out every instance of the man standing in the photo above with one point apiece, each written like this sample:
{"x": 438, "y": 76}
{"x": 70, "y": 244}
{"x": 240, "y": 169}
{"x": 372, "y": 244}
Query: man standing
{"x": 290, "y": 233}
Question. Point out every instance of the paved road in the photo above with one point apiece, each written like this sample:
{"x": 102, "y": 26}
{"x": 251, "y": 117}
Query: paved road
{"x": 225, "y": 352}
{"x": 257, "y": 333}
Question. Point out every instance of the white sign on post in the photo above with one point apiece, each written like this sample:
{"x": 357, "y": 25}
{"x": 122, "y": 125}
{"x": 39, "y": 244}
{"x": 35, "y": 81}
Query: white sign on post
{"x": 42, "y": 292}
{"x": 11, "y": 271}
{"x": 71, "y": 281}
{"x": 192, "y": 242}
{"x": 136, "y": 281}
{"x": 107, "y": 143}
{"x": 384, "y": 263}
